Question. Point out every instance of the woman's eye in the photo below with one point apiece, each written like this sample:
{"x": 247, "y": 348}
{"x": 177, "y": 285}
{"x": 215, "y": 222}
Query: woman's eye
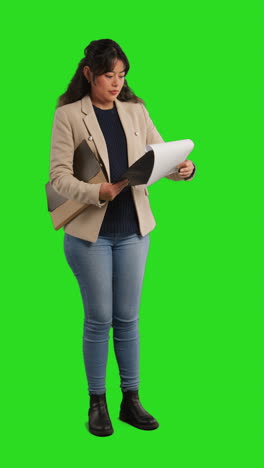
{"x": 111, "y": 76}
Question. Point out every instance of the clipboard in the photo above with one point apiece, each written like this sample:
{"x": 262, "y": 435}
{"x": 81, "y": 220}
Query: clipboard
{"x": 159, "y": 160}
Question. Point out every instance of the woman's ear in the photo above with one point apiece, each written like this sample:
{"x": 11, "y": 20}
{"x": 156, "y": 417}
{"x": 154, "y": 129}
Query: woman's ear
{"x": 87, "y": 73}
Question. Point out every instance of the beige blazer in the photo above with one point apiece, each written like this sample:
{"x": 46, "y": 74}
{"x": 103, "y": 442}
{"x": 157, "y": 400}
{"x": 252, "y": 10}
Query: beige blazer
{"x": 77, "y": 121}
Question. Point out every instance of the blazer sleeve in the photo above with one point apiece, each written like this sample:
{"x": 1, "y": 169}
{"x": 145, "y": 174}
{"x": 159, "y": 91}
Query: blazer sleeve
{"x": 61, "y": 164}
{"x": 153, "y": 136}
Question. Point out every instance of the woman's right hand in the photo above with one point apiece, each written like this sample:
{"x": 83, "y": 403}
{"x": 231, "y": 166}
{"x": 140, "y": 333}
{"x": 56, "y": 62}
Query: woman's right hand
{"x": 109, "y": 191}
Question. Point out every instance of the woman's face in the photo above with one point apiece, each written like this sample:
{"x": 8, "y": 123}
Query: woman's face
{"x": 106, "y": 87}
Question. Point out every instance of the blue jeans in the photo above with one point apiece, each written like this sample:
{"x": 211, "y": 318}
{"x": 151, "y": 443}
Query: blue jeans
{"x": 110, "y": 273}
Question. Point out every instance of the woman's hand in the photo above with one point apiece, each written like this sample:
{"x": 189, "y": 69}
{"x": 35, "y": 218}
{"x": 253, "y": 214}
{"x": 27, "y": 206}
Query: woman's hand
{"x": 185, "y": 168}
{"x": 110, "y": 191}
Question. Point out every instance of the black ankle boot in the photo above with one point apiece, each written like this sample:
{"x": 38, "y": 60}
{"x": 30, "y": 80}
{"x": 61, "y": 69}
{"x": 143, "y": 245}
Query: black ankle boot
{"x": 132, "y": 412}
{"x": 99, "y": 420}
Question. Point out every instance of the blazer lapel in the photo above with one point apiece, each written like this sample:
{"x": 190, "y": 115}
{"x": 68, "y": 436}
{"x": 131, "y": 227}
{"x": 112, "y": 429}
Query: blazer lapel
{"x": 127, "y": 125}
{"x": 94, "y": 129}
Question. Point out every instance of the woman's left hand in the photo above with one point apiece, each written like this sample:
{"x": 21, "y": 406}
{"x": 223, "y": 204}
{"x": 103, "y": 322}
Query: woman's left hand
{"x": 185, "y": 168}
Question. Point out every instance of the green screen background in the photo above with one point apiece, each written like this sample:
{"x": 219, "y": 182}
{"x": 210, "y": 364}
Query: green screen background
{"x": 197, "y": 66}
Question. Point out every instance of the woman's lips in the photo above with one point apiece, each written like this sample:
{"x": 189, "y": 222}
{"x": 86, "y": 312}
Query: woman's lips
{"x": 114, "y": 92}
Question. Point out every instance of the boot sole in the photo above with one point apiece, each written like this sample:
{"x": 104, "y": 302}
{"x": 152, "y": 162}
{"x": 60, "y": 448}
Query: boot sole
{"x": 100, "y": 434}
{"x": 138, "y": 426}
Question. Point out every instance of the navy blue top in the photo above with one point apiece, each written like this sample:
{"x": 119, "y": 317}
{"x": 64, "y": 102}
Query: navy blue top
{"x": 121, "y": 215}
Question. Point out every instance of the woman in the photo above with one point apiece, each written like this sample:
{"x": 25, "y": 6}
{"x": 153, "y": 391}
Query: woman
{"x": 106, "y": 245}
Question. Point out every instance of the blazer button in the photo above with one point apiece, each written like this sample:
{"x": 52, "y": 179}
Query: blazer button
{"x": 136, "y": 133}
{"x": 90, "y": 138}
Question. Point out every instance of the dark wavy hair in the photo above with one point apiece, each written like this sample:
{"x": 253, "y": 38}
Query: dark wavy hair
{"x": 100, "y": 56}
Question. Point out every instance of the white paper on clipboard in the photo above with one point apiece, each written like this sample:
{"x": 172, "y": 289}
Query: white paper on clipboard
{"x": 167, "y": 156}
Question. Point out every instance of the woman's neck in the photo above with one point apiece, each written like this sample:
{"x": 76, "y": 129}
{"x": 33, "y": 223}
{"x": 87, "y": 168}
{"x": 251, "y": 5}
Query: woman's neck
{"x": 102, "y": 105}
